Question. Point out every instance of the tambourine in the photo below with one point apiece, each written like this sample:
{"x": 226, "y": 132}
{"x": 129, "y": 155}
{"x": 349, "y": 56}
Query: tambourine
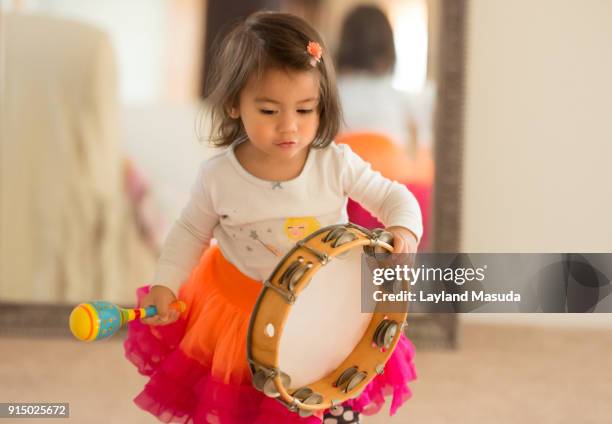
{"x": 309, "y": 345}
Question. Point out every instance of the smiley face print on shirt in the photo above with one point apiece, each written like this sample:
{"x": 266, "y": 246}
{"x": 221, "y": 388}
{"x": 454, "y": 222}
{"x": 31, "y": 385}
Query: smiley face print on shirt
{"x": 297, "y": 228}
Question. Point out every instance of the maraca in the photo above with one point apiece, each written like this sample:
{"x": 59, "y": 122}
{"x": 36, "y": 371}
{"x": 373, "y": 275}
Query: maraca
{"x": 98, "y": 320}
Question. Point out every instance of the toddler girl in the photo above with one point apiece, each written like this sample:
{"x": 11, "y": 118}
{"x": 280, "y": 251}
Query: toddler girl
{"x": 275, "y": 106}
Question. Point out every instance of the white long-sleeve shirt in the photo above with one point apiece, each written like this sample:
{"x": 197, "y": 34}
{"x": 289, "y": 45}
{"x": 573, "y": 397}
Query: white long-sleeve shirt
{"x": 256, "y": 222}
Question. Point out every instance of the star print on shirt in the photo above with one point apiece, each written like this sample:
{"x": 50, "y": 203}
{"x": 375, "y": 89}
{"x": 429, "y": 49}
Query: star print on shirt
{"x": 276, "y": 184}
{"x": 270, "y": 248}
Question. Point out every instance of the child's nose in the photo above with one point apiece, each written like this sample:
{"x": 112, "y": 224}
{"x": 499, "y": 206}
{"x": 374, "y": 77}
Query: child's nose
{"x": 288, "y": 123}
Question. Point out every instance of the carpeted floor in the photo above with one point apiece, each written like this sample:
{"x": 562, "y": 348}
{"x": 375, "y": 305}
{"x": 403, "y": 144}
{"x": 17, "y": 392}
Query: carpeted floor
{"x": 499, "y": 374}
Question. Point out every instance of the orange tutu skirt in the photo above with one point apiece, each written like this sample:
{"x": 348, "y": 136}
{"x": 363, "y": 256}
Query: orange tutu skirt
{"x": 198, "y": 366}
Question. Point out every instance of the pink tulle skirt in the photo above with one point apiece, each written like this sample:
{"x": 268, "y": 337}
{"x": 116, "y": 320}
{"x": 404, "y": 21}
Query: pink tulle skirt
{"x": 198, "y": 368}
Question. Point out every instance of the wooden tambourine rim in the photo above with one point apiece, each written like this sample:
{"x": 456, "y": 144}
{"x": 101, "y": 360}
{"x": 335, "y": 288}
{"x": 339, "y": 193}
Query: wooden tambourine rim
{"x": 363, "y": 349}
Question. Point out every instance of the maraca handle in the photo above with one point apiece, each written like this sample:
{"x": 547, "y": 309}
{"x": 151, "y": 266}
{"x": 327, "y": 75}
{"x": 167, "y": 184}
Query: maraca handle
{"x": 177, "y": 305}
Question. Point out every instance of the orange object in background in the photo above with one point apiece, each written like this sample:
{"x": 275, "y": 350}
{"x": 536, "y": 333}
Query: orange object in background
{"x": 386, "y": 157}
{"x": 393, "y": 162}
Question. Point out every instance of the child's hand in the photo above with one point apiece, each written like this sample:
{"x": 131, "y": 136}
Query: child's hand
{"x": 404, "y": 240}
{"x": 161, "y": 297}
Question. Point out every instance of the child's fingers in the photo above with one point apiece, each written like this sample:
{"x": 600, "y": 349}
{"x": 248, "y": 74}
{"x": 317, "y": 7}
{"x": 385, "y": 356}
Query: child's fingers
{"x": 161, "y": 316}
{"x": 161, "y": 297}
{"x": 158, "y": 320}
{"x": 398, "y": 244}
{"x": 171, "y": 318}
{"x": 163, "y": 313}
{"x": 150, "y": 320}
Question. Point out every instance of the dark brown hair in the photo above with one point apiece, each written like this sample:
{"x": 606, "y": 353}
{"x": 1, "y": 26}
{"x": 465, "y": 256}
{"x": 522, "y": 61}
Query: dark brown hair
{"x": 268, "y": 40}
{"x": 366, "y": 42}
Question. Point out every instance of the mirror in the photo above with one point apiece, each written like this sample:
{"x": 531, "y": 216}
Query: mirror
{"x": 100, "y": 133}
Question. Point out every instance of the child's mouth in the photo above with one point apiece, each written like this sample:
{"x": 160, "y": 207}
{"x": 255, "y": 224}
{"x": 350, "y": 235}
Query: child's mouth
{"x": 287, "y": 144}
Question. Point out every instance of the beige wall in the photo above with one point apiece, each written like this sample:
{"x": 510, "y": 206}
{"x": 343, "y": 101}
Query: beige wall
{"x": 538, "y": 133}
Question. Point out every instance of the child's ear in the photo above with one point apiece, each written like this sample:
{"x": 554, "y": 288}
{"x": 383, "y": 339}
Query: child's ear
{"x": 233, "y": 112}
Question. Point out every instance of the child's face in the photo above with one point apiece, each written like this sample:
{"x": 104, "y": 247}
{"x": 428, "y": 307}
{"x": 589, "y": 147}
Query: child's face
{"x": 279, "y": 112}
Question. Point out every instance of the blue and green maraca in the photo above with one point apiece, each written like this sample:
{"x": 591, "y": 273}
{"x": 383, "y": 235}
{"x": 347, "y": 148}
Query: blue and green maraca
{"x": 98, "y": 320}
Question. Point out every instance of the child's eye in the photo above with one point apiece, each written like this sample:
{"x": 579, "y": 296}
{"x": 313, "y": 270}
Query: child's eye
{"x": 305, "y": 111}
{"x": 267, "y": 111}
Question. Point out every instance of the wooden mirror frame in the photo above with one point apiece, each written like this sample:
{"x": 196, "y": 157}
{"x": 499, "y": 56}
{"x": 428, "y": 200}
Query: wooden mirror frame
{"x": 437, "y": 329}
{"x": 448, "y": 128}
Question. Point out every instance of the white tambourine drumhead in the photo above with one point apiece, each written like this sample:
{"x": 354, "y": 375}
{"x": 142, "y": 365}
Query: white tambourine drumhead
{"x": 326, "y": 322}
{"x": 312, "y": 335}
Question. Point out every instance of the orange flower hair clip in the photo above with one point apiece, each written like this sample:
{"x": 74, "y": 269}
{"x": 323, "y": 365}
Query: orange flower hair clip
{"x": 315, "y": 50}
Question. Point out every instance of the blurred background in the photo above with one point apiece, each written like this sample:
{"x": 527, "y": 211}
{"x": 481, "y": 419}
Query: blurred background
{"x": 494, "y": 113}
